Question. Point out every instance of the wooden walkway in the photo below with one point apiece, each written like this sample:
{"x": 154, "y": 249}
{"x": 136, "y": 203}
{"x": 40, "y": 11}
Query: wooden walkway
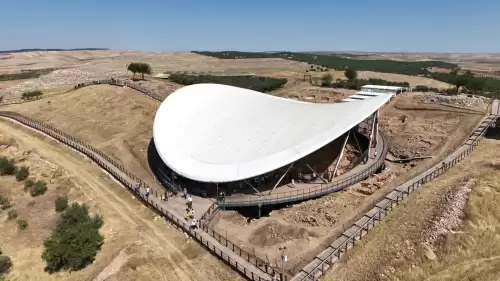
{"x": 129, "y": 180}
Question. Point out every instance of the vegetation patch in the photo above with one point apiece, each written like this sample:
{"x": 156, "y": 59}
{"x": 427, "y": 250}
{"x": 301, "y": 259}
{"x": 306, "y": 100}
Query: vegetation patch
{"x": 22, "y": 173}
{"x": 74, "y": 242}
{"x": 22, "y": 224}
{"x": 4, "y": 202}
{"x": 38, "y": 188}
{"x": 7, "y": 166}
{"x": 61, "y": 203}
{"x": 335, "y": 61}
{"x": 256, "y": 83}
{"x": 31, "y": 94}
{"x": 5, "y": 264}
{"x": 12, "y": 214}
{"x": 139, "y": 67}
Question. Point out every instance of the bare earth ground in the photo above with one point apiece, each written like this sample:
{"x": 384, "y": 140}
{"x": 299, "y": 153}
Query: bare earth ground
{"x": 307, "y": 227}
{"x": 137, "y": 245}
{"x": 116, "y": 120}
{"x": 394, "y": 250}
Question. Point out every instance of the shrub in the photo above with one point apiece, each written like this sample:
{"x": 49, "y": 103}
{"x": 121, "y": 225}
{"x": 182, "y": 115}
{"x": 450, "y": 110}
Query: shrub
{"x": 38, "y": 188}
{"x": 61, "y": 203}
{"x": 351, "y": 74}
{"x": 5, "y": 264}
{"x": 74, "y": 242}
{"x": 326, "y": 80}
{"x": 12, "y": 215}
{"x": 22, "y": 173}
{"x": 4, "y": 203}
{"x": 28, "y": 184}
{"x": 31, "y": 94}
{"x": 23, "y": 224}
{"x": 7, "y": 166}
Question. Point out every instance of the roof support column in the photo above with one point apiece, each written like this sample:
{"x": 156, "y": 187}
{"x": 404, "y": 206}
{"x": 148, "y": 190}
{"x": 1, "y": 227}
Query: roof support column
{"x": 357, "y": 142}
{"x": 372, "y": 135}
{"x": 320, "y": 177}
{"x": 256, "y": 190}
{"x": 281, "y": 178}
{"x": 334, "y": 174}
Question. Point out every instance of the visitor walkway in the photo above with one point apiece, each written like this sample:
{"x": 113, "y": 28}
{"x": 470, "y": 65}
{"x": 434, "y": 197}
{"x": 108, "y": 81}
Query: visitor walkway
{"x": 287, "y": 194}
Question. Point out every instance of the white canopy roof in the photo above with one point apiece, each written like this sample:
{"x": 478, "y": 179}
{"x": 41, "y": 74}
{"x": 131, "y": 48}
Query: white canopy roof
{"x": 219, "y": 133}
{"x": 381, "y": 87}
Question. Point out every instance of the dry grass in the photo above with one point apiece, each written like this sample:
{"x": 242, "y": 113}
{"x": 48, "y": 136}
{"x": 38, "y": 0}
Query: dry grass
{"x": 393, "y": 250}
{"x": 116, "y": 120}
{"x": 137, "y": 244}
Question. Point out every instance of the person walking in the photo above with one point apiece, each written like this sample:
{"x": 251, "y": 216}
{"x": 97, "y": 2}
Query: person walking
{"x": 189, "y": 202}
{"x": 147, "y": 192}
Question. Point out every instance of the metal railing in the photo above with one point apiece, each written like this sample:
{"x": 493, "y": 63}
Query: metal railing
{"x": 401, "y": 192}
{"x": 312, "y": 192}
{"x": 119, "y": 172}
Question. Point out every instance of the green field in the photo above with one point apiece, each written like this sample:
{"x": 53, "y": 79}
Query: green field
{"x": 339, "y": 61}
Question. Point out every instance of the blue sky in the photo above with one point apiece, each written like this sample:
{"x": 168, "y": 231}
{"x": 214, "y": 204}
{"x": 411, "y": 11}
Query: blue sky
{"x": 361, "y": 25}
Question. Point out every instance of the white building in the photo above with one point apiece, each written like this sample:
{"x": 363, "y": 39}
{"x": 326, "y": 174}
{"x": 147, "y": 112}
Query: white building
{"x": 393, "y": 90}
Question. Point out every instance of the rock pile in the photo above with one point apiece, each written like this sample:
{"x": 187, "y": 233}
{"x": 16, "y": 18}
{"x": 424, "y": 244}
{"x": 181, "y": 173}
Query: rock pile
{"x": 58, "y": 78}
{"x": 451, "y": 213}
{"x": 460, "y": 100}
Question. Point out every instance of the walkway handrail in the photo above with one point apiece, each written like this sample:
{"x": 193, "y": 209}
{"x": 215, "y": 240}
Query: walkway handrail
{"x": 382, "y": 209}
{"x": 112, "y": 167}
{"x": 312, "y": 192}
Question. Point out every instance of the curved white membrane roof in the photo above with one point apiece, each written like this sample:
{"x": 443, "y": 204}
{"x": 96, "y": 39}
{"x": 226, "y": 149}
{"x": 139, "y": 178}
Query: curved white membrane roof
{"x": 219, "y": 133}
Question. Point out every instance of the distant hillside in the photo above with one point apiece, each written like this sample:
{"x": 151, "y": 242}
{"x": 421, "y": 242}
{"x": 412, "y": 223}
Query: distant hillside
{"x": 340, "y": 61}
{"x": 46, "y": 50}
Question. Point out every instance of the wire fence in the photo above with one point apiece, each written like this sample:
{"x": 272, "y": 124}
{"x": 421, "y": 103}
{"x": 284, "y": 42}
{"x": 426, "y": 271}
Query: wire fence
{"x": 320, "y": 264}
{"x": 125, "y": 177}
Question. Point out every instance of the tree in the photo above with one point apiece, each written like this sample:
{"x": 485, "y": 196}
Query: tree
{"x": 351, "y": 74}
{"x": 327, "y": 79}
{"x": 22, "y": 173}
{"x": 461, "y": 80}
{"x": 145, "y": 68}
{"x": 133, "y": 67}
{"x": 75, "y": 241}
{"x": 61, "y": 203}
{"x": 476, "y": 84}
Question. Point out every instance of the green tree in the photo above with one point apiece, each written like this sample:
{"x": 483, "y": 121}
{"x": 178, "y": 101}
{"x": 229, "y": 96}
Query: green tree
{"x": 327, "y": 79}
{"x": 133, "y": 67}
{"x": 74, "y": 242}
{"x": 351, "y": 74}
{"x": 476, "y": 84}
{"x": 145, "y": 68}
{"x": 461, "y": 80}
{"x": 61, "y": 203}
{"x": 22, "y": 173}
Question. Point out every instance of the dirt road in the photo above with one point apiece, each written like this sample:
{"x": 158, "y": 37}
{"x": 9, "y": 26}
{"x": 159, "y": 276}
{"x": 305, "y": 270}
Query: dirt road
{"x": 145, "y": 247}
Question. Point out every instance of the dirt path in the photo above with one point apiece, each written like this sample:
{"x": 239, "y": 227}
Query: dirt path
{"x": 123, "y": 212}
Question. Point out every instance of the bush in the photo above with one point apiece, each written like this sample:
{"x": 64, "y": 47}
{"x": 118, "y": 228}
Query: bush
{"x": 4, "y": 203}
{"x": 423, "y": 88}
{"x": 74, "y": 242}
{"x": 23, "y": 224}
{"x": 12, "y": 215}
{"x": 5, "y": 264}
{"x": 7, "y": 166}
{"x": 22, "y": 173}
{"x": 28, "y": 184}
{"x": 31, "y": 94}
{"x": 61, "y": 203}
{"x": 326, "y": 80}
{"x": 256, "y": 83}
{"x": 38, "y": 188}
{"x": 351, "y": 74}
